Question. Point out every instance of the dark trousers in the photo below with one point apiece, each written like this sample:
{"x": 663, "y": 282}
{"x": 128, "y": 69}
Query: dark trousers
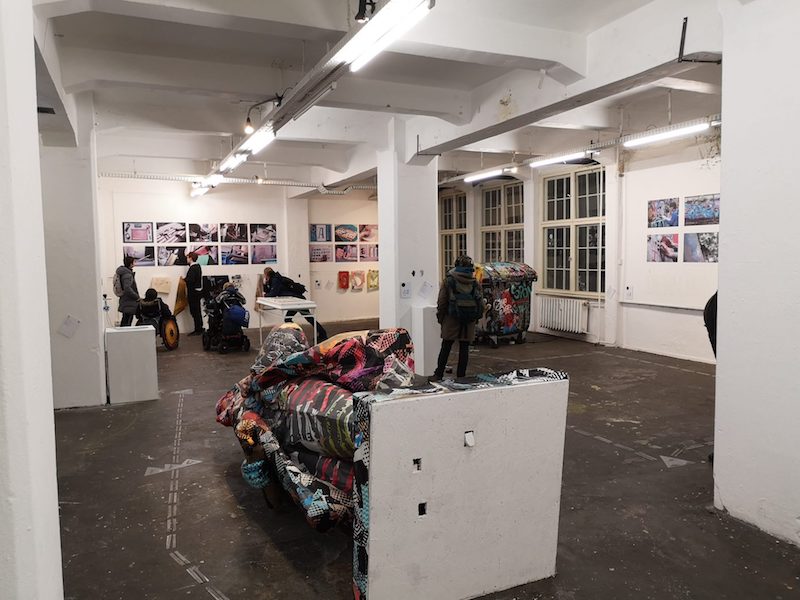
{"x": 321, "y": 333}
{"x": 444, "y": 353}
{"x": 127, "y": 320}
{"x": 194, "y": 310}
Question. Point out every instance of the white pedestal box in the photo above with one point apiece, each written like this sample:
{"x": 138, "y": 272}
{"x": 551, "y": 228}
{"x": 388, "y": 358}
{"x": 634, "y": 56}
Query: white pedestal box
{"x": 131, "y": 364}
{"x": 425, "y": 333}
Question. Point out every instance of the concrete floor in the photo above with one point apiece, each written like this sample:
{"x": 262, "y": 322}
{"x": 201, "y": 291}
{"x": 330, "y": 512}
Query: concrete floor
{"x": 634, "y": 525}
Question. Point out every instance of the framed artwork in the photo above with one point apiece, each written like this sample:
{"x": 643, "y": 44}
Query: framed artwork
{"x": 318, "y": 253}
{"x": 701, "y": 247}
{"x": 233, "y": 232}
{"x": 145, "y": 256}
{"x": 235, "y": 254}
{"x": 702, "y": 210}
{"x": 261, "y": 254}
{"x": 344, "y": 280}
{"x": 137, "y": 232}
{"x": 346, "y": 252}
{"x": 264, "y": 233}
{"x": 662, "y": 248}
{"x": 203, "y": 232}
{"x": 368, "y": 234}
{"x": 373, "y": 280}
{"x": 368, "y": 252}
{"x": 346, "y": 233}
{"x": 170, "y": 233}
{"x": 320, "y": 233}
{"x": 663, "y": 213}
{"x": 172, "y": 256}
{"x": 206, "y": 255}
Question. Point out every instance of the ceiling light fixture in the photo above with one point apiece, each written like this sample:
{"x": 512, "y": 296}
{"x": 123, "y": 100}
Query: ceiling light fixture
{"x": 258, "y": 141}
{"x": 313, "y": 101}
{"x": 233, "y": 161}
{"x": 557, "y": 159}
{"x": 198, "y": 191}
{"x": 668, "y": 134}
{"x": 482, "y": 176}
{"x": 361, "y": 15}
{"x": 248, "y": 126}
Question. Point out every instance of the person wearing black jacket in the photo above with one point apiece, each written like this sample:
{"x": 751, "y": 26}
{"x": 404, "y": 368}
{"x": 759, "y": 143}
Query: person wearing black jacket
{"x": 129, "y": 301}
{"x": 276, "y": 284}
{"x": 194, "y": 291}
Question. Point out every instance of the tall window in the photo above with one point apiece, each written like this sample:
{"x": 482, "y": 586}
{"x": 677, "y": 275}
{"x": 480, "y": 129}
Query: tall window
{"x": 501, "y": 224}
{"x": 453, "y": 228}
{"x": 574, "y": 227}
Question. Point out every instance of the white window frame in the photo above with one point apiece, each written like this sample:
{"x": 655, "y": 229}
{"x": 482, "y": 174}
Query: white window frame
{"x": 452, "y": 228}
{"x": 508, "y": 221}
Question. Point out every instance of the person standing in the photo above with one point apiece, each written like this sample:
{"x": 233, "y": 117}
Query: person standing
{"x": 129, "y": 296}
{"x": 276, "y": 284}
{"x": 710, "y": 320}
{"x": 459, "y": 307}
{"x": 194, "y": 291}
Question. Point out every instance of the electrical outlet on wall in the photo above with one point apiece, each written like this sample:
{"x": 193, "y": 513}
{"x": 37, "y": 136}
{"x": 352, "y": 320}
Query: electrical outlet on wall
{"x": 628, "y": 292}
{"x": 317, "y": 284}
{"x": 405, "y": 290}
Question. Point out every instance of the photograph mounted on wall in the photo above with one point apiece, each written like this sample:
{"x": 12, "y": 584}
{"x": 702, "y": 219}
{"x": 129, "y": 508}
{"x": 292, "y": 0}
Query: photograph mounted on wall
{"x": 320, "y": 253}
{"x": 662, "y": 248}
{"x": 368, "y": 252}
{"x": 357, "y": 280}
{"x": 137, "y": 232}
{"x": 346, "y": 233}
{"x": 172, "y": 256}
{"x": 233, "y": 232}
{"x": 346, "y": 253}
{"x": 264, "y": 233}
{"x": 702, "y": 210}
{"x": 701, "y": 247}
{"x": 320, "y": 233}
{"x": 261, "y": 254}
{"x": 663, "y": 213}
{"x": 368, "y": 233}
{"x": 373, "y": 280}
{"x": 170, "y": 233}
{"x": 203, "y": 232}
{"x": 145, "y": 256}
{"x": 235, "y": 254}
{"x": 206, "y": 255}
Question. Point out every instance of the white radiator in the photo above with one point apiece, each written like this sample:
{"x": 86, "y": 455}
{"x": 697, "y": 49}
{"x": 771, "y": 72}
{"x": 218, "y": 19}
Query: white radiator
{"x": 564, "y": 314}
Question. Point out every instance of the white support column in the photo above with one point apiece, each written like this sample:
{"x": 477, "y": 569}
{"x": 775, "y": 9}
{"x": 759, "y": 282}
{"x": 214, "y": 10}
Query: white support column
{"x": 30, "y": 552}
{"x": 530, "y": 232}
{"x": 474, "y": 219}
{"x": 614, "y": 221}
{"x": 408, "y": 220}
{"x": 294, "y": 239}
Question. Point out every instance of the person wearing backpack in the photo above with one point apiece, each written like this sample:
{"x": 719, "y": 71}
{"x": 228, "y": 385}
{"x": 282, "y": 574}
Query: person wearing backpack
{"x": 274, "y": 284}
{"x": 458, "y": 309}
{"x": 125, "y": 289}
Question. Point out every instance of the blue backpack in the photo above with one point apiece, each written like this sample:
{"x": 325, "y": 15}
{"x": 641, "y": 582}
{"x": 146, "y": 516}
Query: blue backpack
{"x": 465, "y": 301}
{"x": 238, "y": 314}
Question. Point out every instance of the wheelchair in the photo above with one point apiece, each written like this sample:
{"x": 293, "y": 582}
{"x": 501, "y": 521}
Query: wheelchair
{"x": 154, "y": 313}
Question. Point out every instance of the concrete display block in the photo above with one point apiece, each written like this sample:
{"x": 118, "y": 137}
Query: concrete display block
{"x": 425, "y": 333}
{"x": 464, "y": 491}
{"x": 131, "y": 364}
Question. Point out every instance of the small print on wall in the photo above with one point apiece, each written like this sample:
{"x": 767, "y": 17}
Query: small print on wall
{"x": 662, "y": 248}
{"x": 206, "y": 255}
{"x": 261, "y": 254}
{"x": 702, "y": 210}
{"x": 663, "y": 213}
{"x": 346, "y": 253}
{"x": 233, "y": 232}
{"x": 372, "y": 280}
{"x": 346, "y": 233}
{"x": 368, "y": 233}
{"x": 235, "y": 254}
{"x": 145, "y": 256}
{"x": 170, "y": 233}
{"x": 357, "y": 279}
{"x": 320, "y": 253}
{"x": 701, "y": 247}
{"x": 136, "y": 231}
{"x": 172, "y": 256}
{"x": 203, "y": 232}
{"x": 368, "y": 252}
{"x": 320, "y": 233}
{"x": 263, "y": 232}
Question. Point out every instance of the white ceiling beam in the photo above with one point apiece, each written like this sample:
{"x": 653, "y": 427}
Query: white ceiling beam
{"x": 689, "y": 85}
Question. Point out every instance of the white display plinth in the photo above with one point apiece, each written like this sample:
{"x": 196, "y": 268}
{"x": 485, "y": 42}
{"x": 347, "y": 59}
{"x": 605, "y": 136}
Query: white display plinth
{"x": 491, "y": 509}
{"x": 425, "y": 333}
{"x": 131, "y": 364}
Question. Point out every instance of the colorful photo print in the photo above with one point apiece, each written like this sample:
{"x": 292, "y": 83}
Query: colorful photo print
{"x": 373, "y": 280}
{"x": 233, "y": 232}
{"x": 662, "y": 248}
{"x": 235, "y": 254}
{"x": 170, "y": 233}
{"x": 264, "y": 233}
{"x": 368, "y": 252}
{"x": 346, "y": 252}
{"x": 368, "y": 233}
{"x": 320, "y": 253}
{"x": 320, "y": 233}
{"x": 357, "y": 280}
{"x": 203, "y": 232}
{"x": 172, "y": 256}
{"x": 702, "y": 210}
{"x": 663, "y": 213}
{"x": 137, "y": 232}
{"x": 701, "y": 247}
{"x": 346, "y": 233}
{"x": 145, "y": 256}
{"x": 206, "y": 255}
{"x": 261, "y": 254}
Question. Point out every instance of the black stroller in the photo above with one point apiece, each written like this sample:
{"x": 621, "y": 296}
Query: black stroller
{"x": 226, "y": 317}
{"x": 153, "y": 311}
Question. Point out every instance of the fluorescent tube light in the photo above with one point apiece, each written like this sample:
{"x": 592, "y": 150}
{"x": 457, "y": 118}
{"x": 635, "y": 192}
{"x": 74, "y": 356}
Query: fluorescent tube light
{"x": 484, "y": 175}
{"x": 666, "y": 135}
{"x": 198, "y": 191}
{"x": 233, "y": 161}
{"x": 324, "y": 92}
{"x": 557, "y": 159}
{"x": 392, "y": 35}
{"x": 258, "y": 141}
{"x": 213, "y": 180}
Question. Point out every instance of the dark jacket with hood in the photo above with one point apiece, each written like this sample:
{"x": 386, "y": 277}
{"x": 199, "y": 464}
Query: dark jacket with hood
{"x": 452, "y": 328}
{"x": 129, "y": 301}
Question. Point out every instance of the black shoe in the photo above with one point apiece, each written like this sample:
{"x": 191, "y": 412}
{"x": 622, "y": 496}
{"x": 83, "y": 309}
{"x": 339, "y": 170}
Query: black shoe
{"x": 196, "y": 333}
{"x": 435, "y": 377}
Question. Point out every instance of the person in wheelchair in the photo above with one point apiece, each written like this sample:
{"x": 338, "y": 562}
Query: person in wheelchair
{"x": 226, "y": 317}
{"x": 153, "y": 311}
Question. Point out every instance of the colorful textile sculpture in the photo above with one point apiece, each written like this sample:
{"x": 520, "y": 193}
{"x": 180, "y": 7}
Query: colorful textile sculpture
{"x": 344, "y": 280}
